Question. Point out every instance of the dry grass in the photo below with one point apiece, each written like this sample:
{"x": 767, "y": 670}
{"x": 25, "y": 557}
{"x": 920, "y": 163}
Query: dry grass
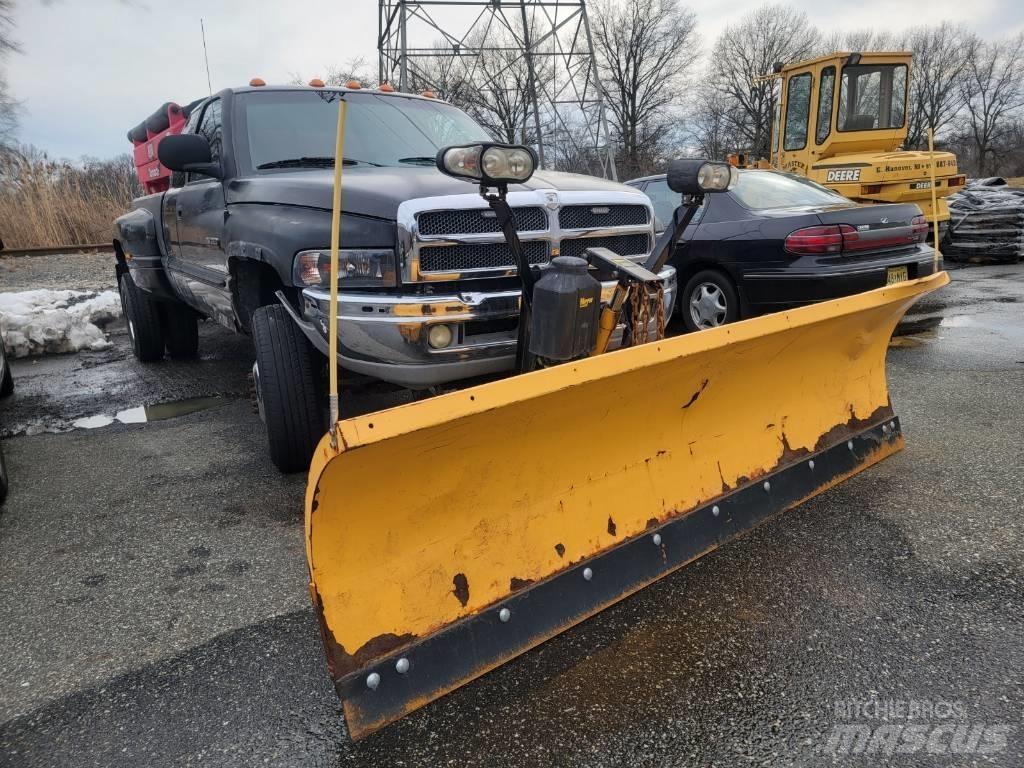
{"x": 1015, "y": 181}
{"x": 50, "y": 203}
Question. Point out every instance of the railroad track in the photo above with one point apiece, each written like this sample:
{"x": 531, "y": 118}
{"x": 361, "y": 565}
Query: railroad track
{"x": 59, "y": 249}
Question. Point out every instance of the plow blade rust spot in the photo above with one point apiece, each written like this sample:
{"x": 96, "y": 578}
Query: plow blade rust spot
{"x": 596, "y": 456}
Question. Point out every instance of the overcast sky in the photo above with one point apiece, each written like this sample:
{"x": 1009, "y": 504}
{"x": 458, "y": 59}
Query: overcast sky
{"x": 90, "y": 69}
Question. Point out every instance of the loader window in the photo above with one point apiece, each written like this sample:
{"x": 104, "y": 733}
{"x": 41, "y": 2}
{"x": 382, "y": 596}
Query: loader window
{"x": 826, "y": 92}
{"x": 872, "y": 97}
{"x": 798, "y": 109}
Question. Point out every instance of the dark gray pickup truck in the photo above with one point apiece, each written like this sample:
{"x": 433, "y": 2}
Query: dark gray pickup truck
{"x": 428, "y": 292}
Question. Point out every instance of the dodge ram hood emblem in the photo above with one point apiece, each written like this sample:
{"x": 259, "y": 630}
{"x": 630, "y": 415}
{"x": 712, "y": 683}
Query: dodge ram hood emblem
{"x": 552, "y": 201}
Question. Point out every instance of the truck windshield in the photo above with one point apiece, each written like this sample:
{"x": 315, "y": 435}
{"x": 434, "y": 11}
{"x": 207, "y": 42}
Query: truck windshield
{"x": 872, "y": 97}
{"x": 289, "y": 128}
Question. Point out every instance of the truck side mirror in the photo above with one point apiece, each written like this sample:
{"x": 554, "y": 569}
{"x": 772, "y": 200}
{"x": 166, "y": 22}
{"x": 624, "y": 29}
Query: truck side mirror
{"x": 188, "y": 153}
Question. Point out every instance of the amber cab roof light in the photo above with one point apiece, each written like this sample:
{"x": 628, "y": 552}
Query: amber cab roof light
{"x": 257, "y": 82}
{"x": 386, "y": 88}
{"x": 353, "y": 84}
{"x": 316, "y": 82}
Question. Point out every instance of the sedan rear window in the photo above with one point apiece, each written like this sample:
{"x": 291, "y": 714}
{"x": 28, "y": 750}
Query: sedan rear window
{"x": 764, "y": 190}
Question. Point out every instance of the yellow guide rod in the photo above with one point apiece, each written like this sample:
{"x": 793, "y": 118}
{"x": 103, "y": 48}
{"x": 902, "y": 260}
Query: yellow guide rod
{"x": 332, "y": 333}
{"x": 935, "y": 203}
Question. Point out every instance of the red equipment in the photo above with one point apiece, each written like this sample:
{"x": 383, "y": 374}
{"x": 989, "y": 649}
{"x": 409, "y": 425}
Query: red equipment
{"x": 147, "y": 135}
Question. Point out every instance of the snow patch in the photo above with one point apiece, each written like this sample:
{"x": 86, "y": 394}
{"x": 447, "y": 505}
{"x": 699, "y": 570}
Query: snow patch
{"x": 47, "y": 321}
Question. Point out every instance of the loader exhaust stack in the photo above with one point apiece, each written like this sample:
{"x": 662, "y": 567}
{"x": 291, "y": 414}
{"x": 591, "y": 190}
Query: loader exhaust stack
{"x": 447, "y": 536}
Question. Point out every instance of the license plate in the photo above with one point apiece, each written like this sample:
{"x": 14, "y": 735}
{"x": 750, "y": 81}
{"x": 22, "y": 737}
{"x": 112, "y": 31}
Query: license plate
{"x": 921, "y": 185}
{"x": 895, "y": 275}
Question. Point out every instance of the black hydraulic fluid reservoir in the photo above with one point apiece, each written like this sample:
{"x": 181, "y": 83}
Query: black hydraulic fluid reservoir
{"x": 566, "y": 310}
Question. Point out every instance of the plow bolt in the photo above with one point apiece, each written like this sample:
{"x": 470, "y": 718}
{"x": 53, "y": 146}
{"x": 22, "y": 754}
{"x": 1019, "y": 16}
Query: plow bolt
{"x": 372, "y": 681}
{"x": 811, "y": 463}
{"x": 656, "y": 538}
{"x": 767, "y": 486}
{"x": 892, "y": 425}
{"x": 402, "y": 666}
{"x": 849, "y": 444}
{"x": 715, "y": 511}
{"x": 504, "y": 614}
{"x": 588, "y": 574}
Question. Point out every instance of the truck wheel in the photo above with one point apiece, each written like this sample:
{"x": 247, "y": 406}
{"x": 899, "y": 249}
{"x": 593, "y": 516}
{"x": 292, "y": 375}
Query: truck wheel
{"x": 286, "y": 388}
{"x": 708, "y": 300}
{"x": 143, "y": 317}
{"x": 181, "y": 330}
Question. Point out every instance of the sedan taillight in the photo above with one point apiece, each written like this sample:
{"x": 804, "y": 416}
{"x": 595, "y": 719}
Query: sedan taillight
{"x": 919, "y": 228}
{"x": 827, "y": 239}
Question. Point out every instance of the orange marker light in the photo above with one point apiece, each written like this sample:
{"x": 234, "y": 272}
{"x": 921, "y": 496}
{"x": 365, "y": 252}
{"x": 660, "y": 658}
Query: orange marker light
{"x": 386, "y": 88}
{"x": 316, "y": 82}
{"x": 428, "y": 94}
{"x": 353, "y": 84}
{"x": 257, "y": 82}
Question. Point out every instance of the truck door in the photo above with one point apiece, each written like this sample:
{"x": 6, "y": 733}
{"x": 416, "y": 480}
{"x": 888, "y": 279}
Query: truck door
{"x": 199, "y": 210}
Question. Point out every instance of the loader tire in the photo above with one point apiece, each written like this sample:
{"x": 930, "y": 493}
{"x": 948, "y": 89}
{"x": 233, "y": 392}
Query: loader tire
{"x": 708, "y": 300}
{"x": 286, "y": 388}
{"x": 181, "y": 331}
{"x": 142, "y": 315}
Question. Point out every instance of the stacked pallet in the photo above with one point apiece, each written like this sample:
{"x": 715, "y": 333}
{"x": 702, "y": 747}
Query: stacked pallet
{"x": 986, "y": 223}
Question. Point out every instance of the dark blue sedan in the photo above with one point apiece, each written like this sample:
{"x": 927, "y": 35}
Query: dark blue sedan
{"x": 776, "y": 241}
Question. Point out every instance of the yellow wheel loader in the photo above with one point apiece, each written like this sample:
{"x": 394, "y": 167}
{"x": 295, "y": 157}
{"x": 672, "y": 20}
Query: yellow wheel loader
{"x": 841, "y": 120}
{"x": 447, "y": 536}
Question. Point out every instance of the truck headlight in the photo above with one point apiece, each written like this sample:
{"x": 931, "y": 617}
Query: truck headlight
{"x": 357, "y": 268}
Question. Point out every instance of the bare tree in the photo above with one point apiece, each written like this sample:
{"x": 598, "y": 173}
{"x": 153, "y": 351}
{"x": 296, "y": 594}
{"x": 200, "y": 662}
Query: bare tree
{"x": 355, "y": 68}
{"x": 9, "y": 107}
{"x": 645, "y": 48}
{"x": 748, "y": 50}
{"x": 993, "y": 93}
{"x": 861, "y": 40}
{"x": 942, "y": 61}
{"x": 712, "y": 124}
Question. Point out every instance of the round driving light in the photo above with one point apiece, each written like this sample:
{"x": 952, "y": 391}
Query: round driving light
{"x": 704, "y": 176}
{"x": 439, "y": 336}
{"x": 495, "y": 163}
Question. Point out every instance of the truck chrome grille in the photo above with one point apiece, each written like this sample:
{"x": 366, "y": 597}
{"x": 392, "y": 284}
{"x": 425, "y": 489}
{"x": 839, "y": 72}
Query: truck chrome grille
{"x": 601, "y": 216}
{"x": 472, "y": 256}
{"x": 479, "y": 221}
{"x": 624, "y": 245}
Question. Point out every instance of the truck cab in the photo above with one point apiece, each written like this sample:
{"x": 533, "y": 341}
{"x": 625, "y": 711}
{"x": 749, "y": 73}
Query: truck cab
{"x": 841, "y": 120}
{"x": 427, "y": 291}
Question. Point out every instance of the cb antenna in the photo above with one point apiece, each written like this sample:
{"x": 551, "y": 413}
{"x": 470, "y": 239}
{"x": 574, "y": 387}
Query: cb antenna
{"x": 206, "y": 56}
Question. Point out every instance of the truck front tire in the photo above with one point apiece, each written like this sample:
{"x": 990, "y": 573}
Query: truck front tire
{"x": 142, "y": 315}
{"x": 286, "y": 387}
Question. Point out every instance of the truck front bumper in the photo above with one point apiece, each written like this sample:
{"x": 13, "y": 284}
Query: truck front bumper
{"x": 388, "y": 337}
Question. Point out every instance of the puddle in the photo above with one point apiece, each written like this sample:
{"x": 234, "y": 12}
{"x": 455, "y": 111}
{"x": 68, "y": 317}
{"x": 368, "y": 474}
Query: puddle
{"x": 141, "y": 414}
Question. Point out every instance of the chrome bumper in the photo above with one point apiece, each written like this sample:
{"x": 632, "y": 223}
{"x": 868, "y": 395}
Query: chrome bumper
{"x": 385, "y": 336}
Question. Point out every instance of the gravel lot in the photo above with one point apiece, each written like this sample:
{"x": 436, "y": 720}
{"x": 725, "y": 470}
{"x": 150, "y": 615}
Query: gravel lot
{"x": 154, "y": 611}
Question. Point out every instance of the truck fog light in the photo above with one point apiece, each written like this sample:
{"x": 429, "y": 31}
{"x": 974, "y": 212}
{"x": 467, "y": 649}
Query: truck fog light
{"x": 439, "y": 336}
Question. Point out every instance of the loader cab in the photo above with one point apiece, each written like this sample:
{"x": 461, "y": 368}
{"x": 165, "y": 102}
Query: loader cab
{"x": 840, "y": 104}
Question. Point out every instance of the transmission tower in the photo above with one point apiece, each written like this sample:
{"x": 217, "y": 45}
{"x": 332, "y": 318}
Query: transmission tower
{"x": 419, "y": 40}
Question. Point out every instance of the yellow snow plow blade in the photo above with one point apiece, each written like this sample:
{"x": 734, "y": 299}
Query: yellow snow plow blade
{"x": 447, "y": 536}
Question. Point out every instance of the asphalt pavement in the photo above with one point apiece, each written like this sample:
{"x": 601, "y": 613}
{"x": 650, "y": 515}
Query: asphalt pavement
{"x": 154, "y": 608}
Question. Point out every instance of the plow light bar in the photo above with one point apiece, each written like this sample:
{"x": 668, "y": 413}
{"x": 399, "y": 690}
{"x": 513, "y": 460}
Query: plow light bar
{"x": 490, "y": 164}
{"x": 693, "y": 176}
